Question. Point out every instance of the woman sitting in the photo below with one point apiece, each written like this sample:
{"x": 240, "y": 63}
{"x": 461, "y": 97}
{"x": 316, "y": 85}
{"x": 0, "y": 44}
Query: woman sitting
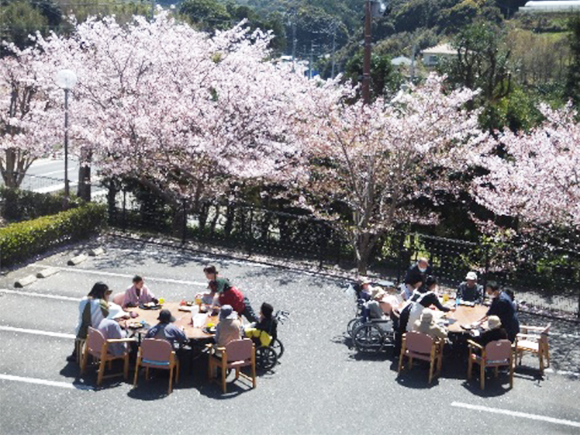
{"x": 423, "y": 298}
{"x": 229, "y": 328}
{"x": 494, "y": 332}
{"x": 426, "y": 325}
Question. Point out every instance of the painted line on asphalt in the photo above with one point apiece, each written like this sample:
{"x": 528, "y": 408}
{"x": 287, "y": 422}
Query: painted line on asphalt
{"x": 517, "y": 414}
{"x": 39, "y": 295}
{"x": 54, "y": 188}
{"x": 121, "y": 275}
{"x": 37, "y": 332}
{"x": 45, "y": 382}
{"x": 562, "y": 372}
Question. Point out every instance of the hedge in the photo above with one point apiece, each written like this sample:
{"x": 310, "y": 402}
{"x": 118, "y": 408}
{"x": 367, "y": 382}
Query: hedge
{"x": 20, "y": 205}
{"x": 23, "y": 240}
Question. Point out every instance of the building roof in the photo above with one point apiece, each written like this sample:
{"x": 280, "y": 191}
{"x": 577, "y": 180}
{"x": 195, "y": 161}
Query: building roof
{"x": 441, "y": 49}
{"x": 552, "y": 6}
{"x": 401, "y": 60}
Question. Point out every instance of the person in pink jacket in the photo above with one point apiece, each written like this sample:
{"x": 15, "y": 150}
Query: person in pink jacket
{"x": 138, "y": 294}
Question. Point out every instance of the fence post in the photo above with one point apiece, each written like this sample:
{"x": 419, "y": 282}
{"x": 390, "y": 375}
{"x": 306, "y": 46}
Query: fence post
{"x": 124, "y": 226}
{"x": 400, "y": 259}
{"x": 184, "y": 229}
{"x": 250, "y": 237}
{"x": 486, "y": 270}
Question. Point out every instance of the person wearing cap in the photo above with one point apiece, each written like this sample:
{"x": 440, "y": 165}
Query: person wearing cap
{"x": 426, "y": 325}
{"x": 494, "y": 332}
{"x": 138, "y": 294}
{"x": 93, "y": 308}
{"x": 421, "y": 299}
{"x": 229, "y": 328}
{"x": 113, "y": 327}
{"x": 227, "y": 294}
{"x": 470, "y": 290}
{"x": 166, "y": 330}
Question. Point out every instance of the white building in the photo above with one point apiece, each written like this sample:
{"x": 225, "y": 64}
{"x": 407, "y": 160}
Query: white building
{"x": 434, "y": 55}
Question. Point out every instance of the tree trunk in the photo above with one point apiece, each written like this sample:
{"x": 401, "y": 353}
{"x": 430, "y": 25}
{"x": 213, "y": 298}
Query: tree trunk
{"x": 84, "y": 187}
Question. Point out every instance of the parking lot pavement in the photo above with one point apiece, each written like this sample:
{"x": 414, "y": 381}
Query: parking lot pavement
{"x": 320, "y": 386}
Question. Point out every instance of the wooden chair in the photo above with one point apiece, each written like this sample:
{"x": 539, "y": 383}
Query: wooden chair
{"x": 157, "y": 354}
{"x": 420, "y": 346}
{"x": 534, "y": 339}
{"x": 496, "y": 354}
{"x": 235, "y": 355}
{"x": 98, "y": 347}
{"x": 119, "y": 298}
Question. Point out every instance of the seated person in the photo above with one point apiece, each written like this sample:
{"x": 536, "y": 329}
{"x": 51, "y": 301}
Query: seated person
{"x": 470, "y": 290}
{"x": 266, "y": 330}
{"x": 113, "y": 327}
{"x": 426, "y": 325}
{"x": 138, "y": 294}
{"x": 493, "y": 333}
{"x": 407, "y": 289}
{"x": 229, "y": 328}
{"x": 165, "y": 330}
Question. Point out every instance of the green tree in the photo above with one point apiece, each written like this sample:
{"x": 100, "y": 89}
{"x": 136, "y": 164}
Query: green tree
{"x": 19, "y": 20}
{"x": 385, "y": 80}
{"x": 207, "y": 15}
{"x": 573, "y": 81}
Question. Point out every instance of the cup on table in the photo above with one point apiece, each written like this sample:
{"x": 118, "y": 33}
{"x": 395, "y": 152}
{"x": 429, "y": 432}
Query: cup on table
{"x": 197, "y": 300}
{"x": 161, "y": 301}
{"x": 445, "y": 297}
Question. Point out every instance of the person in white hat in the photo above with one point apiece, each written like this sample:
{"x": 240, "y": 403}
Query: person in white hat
{"x": 494, "y": 332}
{"x": 113, "y": 327}
{"x": 470, "y": 290}
{"x": 426, "y": 325}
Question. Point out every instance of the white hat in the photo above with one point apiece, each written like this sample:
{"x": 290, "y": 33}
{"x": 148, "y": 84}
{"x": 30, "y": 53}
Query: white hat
{"x": 116, "y": 312}
{"x": 427, "y": 316}
{"x": 472, "y": 276}
{"x": 493, "y": 322}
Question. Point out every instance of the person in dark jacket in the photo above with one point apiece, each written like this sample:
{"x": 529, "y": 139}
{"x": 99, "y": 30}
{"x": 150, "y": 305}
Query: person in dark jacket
{"x": 267, "y": 321}
{"x": 502, "y": 307}
{"x": 494, "y": 333}
{"x": 418, "y": 272}
{"x": 227, "y": 294}
{"x": 470, "y": 290}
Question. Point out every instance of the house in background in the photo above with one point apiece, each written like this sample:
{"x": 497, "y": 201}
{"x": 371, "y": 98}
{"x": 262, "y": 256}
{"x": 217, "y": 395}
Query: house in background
{"x": 434, "y": 55}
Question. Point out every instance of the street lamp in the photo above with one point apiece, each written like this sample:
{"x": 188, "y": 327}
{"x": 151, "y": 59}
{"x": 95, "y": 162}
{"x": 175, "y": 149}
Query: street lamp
{"x": 373, "y": 9}
{"x": 66, "y": 80}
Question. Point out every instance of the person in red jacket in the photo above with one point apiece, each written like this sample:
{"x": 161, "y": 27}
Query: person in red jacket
{"x": 229, "y": 295}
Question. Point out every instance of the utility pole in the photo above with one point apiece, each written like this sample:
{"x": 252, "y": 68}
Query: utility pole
{"x": 333, "y": 48}
{"x": 294, "y": 36}
{"x": 366, "y": 81}
{"x": 310, "y": 61}
{"x": 152, "y": 10}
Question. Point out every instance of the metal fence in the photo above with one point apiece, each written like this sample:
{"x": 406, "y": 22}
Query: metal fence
{"x": 543, "y": 285}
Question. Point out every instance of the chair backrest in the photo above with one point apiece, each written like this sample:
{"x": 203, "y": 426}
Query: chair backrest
{"x": 119, "y": 298}
{"x": 498, "y": 350}
{"x": 239, "y": 350}
{"x": 418, "y": 342}
{"x": 545, "y": 333}
{"x": 95, "y": 341}
{"x": 153, "y": 350}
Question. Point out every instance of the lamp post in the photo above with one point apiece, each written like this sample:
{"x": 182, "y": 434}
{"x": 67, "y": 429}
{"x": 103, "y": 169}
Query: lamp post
{"x": 373, "y": 9}
{"x": 66, "y": 80}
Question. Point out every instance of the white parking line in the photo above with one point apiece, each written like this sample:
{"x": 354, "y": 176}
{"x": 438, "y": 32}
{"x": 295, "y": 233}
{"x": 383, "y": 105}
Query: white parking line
{"x": 39, "y": 295}
{"x": 37, "y": 332}
{"x": 517, "y": 414}
{"x": 562, "y": 372}
{"x": 45, "y": 382}
{"x": 121, "y": 275}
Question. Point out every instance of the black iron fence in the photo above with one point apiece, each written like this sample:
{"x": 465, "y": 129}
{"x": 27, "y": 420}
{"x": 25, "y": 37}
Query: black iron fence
{"x": 543, "y": 283}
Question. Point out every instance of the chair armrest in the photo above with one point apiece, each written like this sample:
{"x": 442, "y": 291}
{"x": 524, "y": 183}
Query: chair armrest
{"x": 121, "y": 340}
{"x": 532, "y": 336}
{"x": 532, "y": 328}
{"x": 474, "y": 344}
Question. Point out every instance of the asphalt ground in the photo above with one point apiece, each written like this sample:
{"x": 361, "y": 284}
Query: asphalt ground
{"x": 322, "y": 385}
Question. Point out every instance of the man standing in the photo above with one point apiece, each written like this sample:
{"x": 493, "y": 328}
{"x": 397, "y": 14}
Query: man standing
{"x": 418, "y": 272}
{"x": 230, "y": 295}
{"x": 470, "y": 290}
{"x": 502, "y": 307}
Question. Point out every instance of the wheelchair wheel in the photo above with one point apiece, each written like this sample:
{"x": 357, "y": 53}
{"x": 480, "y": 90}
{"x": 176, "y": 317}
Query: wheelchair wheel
{"x": 369, "y": 338}
{"x": 278, "y": 348}
{"x": 266, "y": 358}
{"x": 353, "y": 324}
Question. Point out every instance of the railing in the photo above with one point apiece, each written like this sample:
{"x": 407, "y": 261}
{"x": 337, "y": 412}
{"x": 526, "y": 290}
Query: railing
{"x": 299, "y": 235}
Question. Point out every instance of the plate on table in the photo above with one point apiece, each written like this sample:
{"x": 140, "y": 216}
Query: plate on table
{"x": 133, "y": 324}
{"x": 150, "y": 306}
{"x": 210, "y": 330}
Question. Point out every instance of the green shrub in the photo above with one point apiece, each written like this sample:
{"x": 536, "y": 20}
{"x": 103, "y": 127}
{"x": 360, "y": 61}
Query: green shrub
{"x": 23, "y": 240}
{"x": 20, "y": 205}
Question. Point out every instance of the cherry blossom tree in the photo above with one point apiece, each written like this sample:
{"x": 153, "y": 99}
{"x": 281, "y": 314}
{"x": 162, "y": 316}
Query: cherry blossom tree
{"x": 28, "y": 120}
{"x": 371, "y": 165}
{"x": 537, "y": 177}
{"x": 180, "y": 111}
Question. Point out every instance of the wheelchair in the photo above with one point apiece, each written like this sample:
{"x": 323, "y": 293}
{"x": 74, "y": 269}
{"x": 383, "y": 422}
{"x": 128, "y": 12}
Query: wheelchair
{"x": 373, "y": 335}
{"x": 267, "y": 356}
